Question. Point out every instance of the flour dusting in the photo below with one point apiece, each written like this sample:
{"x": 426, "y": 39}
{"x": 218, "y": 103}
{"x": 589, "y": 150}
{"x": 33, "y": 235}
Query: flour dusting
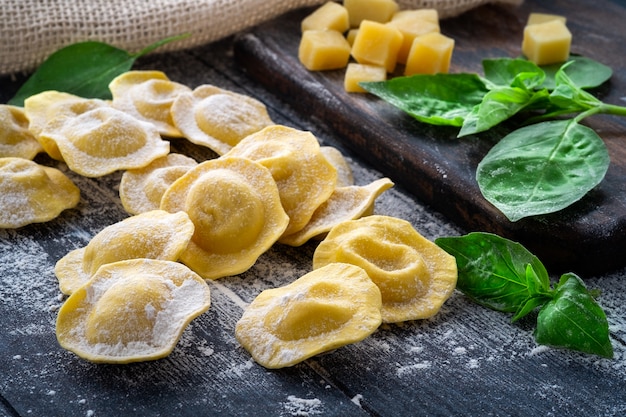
{"x": 303, "y": 406}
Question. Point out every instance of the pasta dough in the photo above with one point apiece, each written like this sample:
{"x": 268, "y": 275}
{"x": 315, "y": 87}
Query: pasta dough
{"x": 33, "y": 193}
{"x": 42, "y": 108}
{"x": 15, "y": 138}
{"x": 155, "y": 234}
{"x": 414, "y": 275}
{"x": 323, "y": 310}
{"x": 148, "y": 96}
{"x": 103, "y": 140}
{"x": 217, "y": 118}
{"x": 346, "y": 203}
{"x": 235, "y": 207}
{"x": 141, "y": 189}
{"x": 304, "y": 176}
{"x": 132, "y": 310}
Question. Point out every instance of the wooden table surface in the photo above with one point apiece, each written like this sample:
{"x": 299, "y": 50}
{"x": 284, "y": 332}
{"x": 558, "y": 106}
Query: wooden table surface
{"x": 466, "y": 361}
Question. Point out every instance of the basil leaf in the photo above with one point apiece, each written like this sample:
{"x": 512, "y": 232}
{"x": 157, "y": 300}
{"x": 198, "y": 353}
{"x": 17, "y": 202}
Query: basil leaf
{"x": 539, "y": 291}
{"x": 492, "y": 269}
{"x": 498, "y": 105}
{"x": 574, "y": 320}
{"x": 542, "y": 168}
{"x": 585, "y": 73}
{"x": 84, "y": 69}
{"x": 519, "y": 73}
{"x": 440, "y": 99}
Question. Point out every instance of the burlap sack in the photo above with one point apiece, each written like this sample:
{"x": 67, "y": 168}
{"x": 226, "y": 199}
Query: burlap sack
{"x": 32, "y": 29}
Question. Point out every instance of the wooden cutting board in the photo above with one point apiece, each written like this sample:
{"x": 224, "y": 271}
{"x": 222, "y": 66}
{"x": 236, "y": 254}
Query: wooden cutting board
{"x": 438, "y": 168}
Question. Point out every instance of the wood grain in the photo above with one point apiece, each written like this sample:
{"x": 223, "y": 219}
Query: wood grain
{"x": 438, "y": 168}
{"x": 466, "y": 361}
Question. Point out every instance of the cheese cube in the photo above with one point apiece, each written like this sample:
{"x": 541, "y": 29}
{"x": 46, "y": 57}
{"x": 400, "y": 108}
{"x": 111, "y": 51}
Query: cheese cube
{"x": 351, "y": 36}
{"x": 375, "y": 10}
{"x": 430, "y": 54}
{"x": 329, "y": 16}
{"x": 323, "y": 50}
{"x": 356, "y": 73}
{"x": 535, "y": 18}
{"x": 547, "y": 43}
{"x": 413, "y": 23}
{"x": 377, "y": 44}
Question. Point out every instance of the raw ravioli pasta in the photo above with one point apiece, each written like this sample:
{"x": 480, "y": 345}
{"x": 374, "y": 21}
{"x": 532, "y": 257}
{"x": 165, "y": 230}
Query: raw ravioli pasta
{"x": 217, "y": 118}
{"x": 235, "y": 207}
{"x": 304, "y": 176}
{"x": 155, "y": 234}
{"x": 33, "y": 193}
{"x": 148, "y": 96}
{"x": 336, "y": 159}
{"x": 104, "y": 140}
{"x": 323, "y": 310}
{"x": 41, "y": 108}
{"x": 346, "y": 203}
{"x": 414, "y": 275}
{"x": 141, "y": 189}
{"x": 15, "y": 138}
{"x": 130, "y": 311}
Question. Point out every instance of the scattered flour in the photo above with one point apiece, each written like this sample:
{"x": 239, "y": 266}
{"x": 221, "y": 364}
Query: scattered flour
{"x": 303, "y": 406}
{"x": 357, "y": 399}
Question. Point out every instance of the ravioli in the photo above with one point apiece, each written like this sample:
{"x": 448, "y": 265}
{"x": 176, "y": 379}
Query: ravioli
{"x": 303, "y": 174}
{"x": 414, "y": 275}
{"x": 33, "y": 193}
{"x": 323, "y": 310}
{"x": 43, "y": 107}
{"x": 236, "y": 210}
{"x": 155, "y": 234}
{"x": 217, "y": 118}
{"x": 15, "y": 138}
{"x": 104, "y": 140}
{"x": 148, "y": 96}
{"x": 130, "y": 311}
{"x": 141, "y": 189}
{"x": 346, "y": 203}
{"x": 345, "y": 178}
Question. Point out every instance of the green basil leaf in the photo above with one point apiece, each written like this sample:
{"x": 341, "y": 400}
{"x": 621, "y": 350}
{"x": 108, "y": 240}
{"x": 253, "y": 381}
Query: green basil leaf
{"x": 492, "y": 269}
{"x": 498, "y": 105}
{"x": 509, "y": 72}
{"x": 585, "y": 73}
{"x": 574, "y": 320}
{"x": 84, "y": 69}
{"x": 539, "y": 290}
{"x": 542, "y": 168}
{"x": 440, "y": 99}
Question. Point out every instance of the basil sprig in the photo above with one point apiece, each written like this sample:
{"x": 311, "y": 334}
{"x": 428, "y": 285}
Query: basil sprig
{"x": 84, "y": 69}
{"x": 541, "y": 168}
{"x": 503, "y": 275}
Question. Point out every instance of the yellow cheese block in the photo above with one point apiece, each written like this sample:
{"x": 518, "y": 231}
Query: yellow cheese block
{"x": 413, "y": 23}
{"x": 351, "y": 35}
{"x": 547, "y": 43}
{"x": 377, "y": 44}
{"x": 430, "y": 54}
{"x": 329, "y": 16}
{"x": 323, "y": 50}
{"x": 535, "y": 18}
{"x": 356, "y": 73}
{"x": 374, "y": 10}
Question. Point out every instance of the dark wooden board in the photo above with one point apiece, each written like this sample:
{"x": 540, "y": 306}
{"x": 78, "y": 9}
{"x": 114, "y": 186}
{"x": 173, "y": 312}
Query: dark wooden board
{"x": 438, "y": 168}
